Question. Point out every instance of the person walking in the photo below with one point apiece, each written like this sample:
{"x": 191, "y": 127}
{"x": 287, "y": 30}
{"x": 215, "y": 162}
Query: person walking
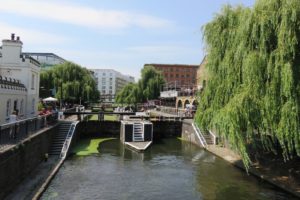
{"x": 13, "y": 119}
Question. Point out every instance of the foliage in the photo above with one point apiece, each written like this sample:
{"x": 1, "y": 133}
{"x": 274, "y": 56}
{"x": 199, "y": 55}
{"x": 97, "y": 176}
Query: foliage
{"x": 76, "y": 82}
{"x": 254, "y": 68}
{"x": 148, "y": 87}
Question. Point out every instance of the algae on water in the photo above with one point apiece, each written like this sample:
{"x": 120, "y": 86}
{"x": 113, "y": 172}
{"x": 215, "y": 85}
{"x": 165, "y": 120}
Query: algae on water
{"x": 90, "y": 146}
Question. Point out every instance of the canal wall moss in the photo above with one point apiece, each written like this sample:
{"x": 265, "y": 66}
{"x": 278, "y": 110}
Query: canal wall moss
{"x": 18, "y": 161}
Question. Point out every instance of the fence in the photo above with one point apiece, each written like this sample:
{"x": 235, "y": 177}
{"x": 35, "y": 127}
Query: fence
{"x": 13, "y": 133}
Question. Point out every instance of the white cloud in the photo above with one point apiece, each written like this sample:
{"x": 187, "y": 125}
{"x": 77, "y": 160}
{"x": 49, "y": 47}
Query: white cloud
{"x": 30, "y": 36}
{"x": 81, "y": 15}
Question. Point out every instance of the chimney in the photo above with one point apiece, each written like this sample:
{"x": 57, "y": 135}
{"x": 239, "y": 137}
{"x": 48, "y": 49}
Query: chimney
{"x": 12, "y": 36}
{"x": 18, "y": 38}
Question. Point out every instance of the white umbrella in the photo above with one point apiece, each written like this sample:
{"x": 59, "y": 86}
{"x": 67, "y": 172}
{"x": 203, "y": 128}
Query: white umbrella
{"x": 50, "y": 99}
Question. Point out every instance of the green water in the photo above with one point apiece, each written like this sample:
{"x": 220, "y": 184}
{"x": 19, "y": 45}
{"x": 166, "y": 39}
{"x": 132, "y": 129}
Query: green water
{"x": 169, "y": 169}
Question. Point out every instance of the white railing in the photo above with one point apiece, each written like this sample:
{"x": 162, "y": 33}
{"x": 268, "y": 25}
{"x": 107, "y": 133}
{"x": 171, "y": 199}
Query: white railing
{"x": 68, "y": 140}
{"x": 199, "y": 135}
{"x": 214, "y": 137}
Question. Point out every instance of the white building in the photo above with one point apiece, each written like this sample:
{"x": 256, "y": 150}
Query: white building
{"x": 110, "y": 82}
{"x": 19, "y": 81}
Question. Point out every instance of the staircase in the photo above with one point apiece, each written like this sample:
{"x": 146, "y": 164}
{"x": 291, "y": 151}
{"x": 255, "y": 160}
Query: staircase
{"x": 59, "y": 138}
{"x": 138, "y": 132}
{"x": 208, "y": 138}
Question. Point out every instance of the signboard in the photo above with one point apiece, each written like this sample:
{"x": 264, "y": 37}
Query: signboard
{"x": 169, "y": 94}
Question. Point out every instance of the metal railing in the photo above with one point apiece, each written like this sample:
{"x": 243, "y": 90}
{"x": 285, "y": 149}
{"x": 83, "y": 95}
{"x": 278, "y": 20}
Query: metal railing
{"x": 213, "y": 136}
{"x": 68, "y": 140}
{"x": 199, "y": 135}
{"x": 14, "y": 132}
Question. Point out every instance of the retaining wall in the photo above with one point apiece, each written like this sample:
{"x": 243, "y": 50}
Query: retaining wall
{"x": 161, "y": 129}
{"x": 18, "y": 161}
{"x": 188, "y": 133}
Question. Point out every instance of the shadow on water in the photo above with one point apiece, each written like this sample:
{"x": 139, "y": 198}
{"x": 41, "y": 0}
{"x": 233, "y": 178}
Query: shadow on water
{"x": 168, "y": 169}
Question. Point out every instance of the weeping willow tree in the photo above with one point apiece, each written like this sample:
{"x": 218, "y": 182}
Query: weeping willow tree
{"x": 252, "y": 96}
{"x": 71, "y": 82}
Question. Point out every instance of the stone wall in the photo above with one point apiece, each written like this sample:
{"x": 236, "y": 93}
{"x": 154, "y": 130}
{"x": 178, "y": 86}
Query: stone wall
{"x": 17, "y": 162}
{"x": 112, "y": 129}
{"x": 188, "y": 133}
{"x": 99, "y": 129}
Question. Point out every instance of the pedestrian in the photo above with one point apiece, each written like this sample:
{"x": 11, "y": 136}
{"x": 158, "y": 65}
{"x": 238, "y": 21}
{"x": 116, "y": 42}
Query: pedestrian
{"x": 12, "y": 119}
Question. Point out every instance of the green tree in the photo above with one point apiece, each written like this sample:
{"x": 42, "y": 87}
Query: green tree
{"x": 71, "y": 82}
{"x": 150, "y": 83}
{"x": 253, "y": 89}
{"x": 148, "y": 87}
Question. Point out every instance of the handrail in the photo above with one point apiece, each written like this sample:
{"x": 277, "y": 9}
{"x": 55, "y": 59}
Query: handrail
{"x": 68, "y": 140}
{"x": 214, "y": 137}
{"x": 199, "y": 135}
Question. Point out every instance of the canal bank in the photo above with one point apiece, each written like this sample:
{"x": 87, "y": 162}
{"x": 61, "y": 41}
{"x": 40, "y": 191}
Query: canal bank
{"x": 272, "y": 172}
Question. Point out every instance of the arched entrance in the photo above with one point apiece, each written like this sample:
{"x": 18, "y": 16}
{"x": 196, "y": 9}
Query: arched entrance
{"x": 179, "y": 104}
{"x": 186, "y": 102}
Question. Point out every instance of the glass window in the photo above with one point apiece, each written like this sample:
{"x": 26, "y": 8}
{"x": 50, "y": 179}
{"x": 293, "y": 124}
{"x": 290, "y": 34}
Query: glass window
{"x": 33, "y": 105}
{"x": 32, "y": 81}
{"x": 8, "y": 108}
{"x": 22, "y": 106}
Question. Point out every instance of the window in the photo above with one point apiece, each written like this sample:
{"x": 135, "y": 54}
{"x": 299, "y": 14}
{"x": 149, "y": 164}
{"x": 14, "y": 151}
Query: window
{"x": 22, "y": 106}
{"x": 103, "y": 87}
{"x": 32, "y": 81}
{"x": 177, "y": 75}
{"x": 33, "y": 105}
{"x": 103, "y": 91}
{"x": 110, "y": 91}
{"x": 103, "y": 74}
{"x": 110, "y": 87}
{"x": 8, "y": 108}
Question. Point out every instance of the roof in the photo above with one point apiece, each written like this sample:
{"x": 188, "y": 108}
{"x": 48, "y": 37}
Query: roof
{"x": 172, "y": 65}
{"x": 43, "y": 54}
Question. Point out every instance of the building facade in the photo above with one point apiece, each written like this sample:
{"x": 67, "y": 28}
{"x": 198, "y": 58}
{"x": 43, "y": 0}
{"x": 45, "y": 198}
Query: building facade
{"x": 46, "y": 60}
{"x": 19, "y": 81}
{"x": 177, "y": 75}
{"x": 110, "y": 82}
{"x": 202, "y": 74}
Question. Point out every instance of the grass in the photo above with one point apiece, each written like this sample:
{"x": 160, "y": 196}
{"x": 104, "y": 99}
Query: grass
{"x": 88, "y": 146}
{"x": 106, "y": 117}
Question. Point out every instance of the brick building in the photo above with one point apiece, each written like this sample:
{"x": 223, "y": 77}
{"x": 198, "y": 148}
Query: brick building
{"x": 177, "y": 75}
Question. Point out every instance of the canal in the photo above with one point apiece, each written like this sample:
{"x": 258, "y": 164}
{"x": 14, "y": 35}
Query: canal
{"x": 169, "y": 169}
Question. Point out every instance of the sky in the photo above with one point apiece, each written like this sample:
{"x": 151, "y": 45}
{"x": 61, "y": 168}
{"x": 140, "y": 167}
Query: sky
{"x": 113, "y": 34}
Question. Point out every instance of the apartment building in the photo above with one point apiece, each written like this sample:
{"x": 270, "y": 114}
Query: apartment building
{"x": 110, "y": 82}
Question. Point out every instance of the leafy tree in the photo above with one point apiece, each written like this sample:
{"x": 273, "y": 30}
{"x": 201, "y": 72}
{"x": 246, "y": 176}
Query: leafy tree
{"x": 254, "y": 68}
{"x": 150, "y": 83}
{"x": 71, "y": 82}
{"x": 148, "y": 87}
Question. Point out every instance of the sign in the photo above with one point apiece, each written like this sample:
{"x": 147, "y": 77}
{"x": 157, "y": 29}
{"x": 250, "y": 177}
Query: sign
{"x": 169, "y": 94}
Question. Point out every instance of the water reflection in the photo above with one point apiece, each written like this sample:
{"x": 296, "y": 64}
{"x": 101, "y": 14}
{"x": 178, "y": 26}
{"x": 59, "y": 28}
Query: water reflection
{"x": 169, "y": 169}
